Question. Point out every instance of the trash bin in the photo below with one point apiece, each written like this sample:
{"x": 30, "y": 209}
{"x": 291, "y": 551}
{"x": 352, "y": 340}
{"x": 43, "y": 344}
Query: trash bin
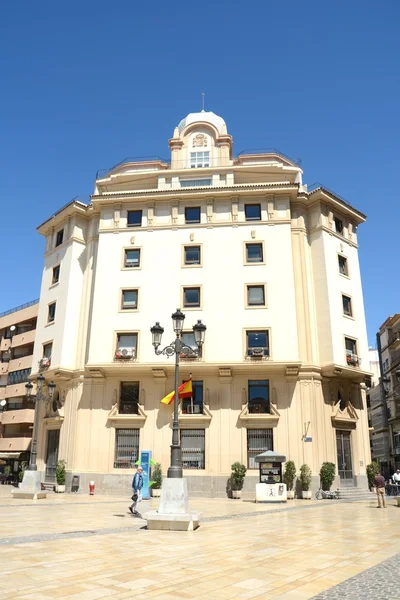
{"x": 75, "y": 483}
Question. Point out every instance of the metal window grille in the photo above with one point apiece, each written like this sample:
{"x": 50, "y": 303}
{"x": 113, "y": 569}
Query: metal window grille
{"x": 193, "y": 448}
{"x": 258, "y": 441}
{"x": 126, "y": 448}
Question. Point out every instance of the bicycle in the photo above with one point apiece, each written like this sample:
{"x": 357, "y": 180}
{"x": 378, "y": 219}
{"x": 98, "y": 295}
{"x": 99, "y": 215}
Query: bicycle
{"x": 327, "y": 495}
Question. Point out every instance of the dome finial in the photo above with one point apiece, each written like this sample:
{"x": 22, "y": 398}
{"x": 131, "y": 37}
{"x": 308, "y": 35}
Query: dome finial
{"x": 202, "y": 101}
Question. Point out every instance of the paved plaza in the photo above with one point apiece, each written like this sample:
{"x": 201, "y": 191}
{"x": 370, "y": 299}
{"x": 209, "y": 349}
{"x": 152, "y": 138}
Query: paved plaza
{"x": 85, "y": 548}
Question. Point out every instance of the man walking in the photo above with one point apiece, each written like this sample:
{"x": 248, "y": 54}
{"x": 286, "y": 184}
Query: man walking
{"x": 396, "y": 477}
{"x": 379, "y": 482}
{"x": 137, "y": 484}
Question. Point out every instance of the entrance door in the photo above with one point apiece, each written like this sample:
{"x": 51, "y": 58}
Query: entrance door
{"x": 345, "y": 464}
{"x": 53, "y": 439}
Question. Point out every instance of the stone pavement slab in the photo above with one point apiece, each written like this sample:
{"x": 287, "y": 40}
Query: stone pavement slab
{"x": 83, "y": 548}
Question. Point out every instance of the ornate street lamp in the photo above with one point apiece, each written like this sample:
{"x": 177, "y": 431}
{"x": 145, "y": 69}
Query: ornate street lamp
{"x": 39, "y": 396}
{"x": 177, "y": 348}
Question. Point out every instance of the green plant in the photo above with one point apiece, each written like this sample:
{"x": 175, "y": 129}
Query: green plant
{"x": 237, "y": 476}
{"x": 22, "y": 467}
{"x": 156, "y": 474}
{"x": 305, "y": 477}
{"x": 372, "y": 470}
{"x": 7, "y": 470}
{"x": 60, "y": 472}
{"x": 289, "y": 474}
{"x": 327, "y": 475}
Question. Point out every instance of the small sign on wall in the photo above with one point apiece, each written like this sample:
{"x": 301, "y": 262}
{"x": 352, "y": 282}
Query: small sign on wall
{"x": 308, "y": 439}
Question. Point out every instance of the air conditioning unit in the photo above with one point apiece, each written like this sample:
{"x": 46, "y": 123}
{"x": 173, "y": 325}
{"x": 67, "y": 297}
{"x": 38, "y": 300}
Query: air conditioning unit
{"x": 44, "y": 362}
{"x": 257, "y": 352}
{"x": 125, "y": 353}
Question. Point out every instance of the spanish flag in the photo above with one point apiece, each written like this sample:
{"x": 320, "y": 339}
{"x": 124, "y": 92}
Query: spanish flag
{"x": 184, "y": 391}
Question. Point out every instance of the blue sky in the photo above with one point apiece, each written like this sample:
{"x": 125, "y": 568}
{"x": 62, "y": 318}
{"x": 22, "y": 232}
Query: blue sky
{"x": 86, "y": 84}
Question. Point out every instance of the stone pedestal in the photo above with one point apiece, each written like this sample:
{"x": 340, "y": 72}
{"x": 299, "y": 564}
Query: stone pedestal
{"x": 31, "y": 488}
{"x": 173, "y": 513}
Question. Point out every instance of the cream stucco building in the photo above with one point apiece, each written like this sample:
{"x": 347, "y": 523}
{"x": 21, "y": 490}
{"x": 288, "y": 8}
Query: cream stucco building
{"x": 270, "y": 267}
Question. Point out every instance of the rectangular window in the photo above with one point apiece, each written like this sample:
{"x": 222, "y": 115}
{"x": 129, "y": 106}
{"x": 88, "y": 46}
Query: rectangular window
{"x": 351, "y": 352}
{"x": 256, "y": 295}
{"x": 132, "y": 258}
{"x": 193, "y": 448}
{"x": 52, "y": 312}
{"x": 192, "y": 214}
{"x": 129, "y": 398}
{"x": 194, "y": 405}
{"x": 338, "y": 225}
{"x": 254, "y": 253}
{"x": 126, "y": 448}
{"x": 191, "y": 297}
{"x": 347, "y": 308}
{"x": 199, "y": 159}
{"x": 192, "y": 255}
{"x": 129, "y": 299}
{"x": 257, "y": 343}
{"x": 259, "y": 396}
{"x": 59, "y": 237}
{"x": 195, "y": 182}
{"x": 342, "y": 260}
{"x": 126, "y": 346}
{"x": 47, "y": 350}
{"x": 134, "y": 218}
{"x": 258, "y": 441}
{"x": 252, "y": 212}
{"x": 189, "y": 340}
{"x": 56, "y": 275}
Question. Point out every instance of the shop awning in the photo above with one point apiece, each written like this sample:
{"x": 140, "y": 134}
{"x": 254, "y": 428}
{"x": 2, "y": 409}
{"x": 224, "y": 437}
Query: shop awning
{"x": 270, "y": 456}
{"x": 9, "y": 454}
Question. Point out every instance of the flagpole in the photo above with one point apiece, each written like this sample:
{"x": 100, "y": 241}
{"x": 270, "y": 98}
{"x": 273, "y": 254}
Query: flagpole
{"x": 175, "y": 470}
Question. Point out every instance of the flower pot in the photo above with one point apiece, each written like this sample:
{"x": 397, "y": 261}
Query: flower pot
{"x": 306, "y": 495}
{"x": 60, "y": 489}
{"x": 290, "y": 494}
{"x": 155, "y": 493}
{"x": 236, "y": 494}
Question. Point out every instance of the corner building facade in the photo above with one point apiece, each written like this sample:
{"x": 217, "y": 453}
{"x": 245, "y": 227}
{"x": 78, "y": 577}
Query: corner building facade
{"x": 270, "y": 268}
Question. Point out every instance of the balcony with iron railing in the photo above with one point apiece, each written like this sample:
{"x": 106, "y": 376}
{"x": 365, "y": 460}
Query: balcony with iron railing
{"x": 394, "y": 341}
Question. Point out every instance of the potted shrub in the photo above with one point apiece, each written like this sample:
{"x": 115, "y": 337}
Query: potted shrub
{"x": 305, "y": 481}
{"x": 60, "y": 477}
{"x": 372, "y": 470}
{"x": 22, "y": 467}
{"x": 155, "y": 484}
{"x": 289, "y": 476}
{"x": 327, "y": 475}
{"x": 237, "y": 479}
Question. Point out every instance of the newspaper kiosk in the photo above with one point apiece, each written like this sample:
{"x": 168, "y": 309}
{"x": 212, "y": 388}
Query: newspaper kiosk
{"x": 271, "y": 487}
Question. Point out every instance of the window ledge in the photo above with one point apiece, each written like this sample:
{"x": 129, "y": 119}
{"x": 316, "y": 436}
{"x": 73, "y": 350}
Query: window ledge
{"x": 115, "y": 417}
{"x": 256, "y": 419}
{"x": 53, "y": 285}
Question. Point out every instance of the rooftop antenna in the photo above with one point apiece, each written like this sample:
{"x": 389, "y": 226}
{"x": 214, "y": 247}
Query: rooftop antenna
{"x": 202, "y": 101}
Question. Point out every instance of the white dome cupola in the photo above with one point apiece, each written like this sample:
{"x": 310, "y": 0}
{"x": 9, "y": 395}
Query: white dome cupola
{"x": 200, "y": 140}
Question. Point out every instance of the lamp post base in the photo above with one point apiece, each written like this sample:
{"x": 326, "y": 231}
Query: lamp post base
{"x": 31, "y": 488}
{"x": 173, "y": 513}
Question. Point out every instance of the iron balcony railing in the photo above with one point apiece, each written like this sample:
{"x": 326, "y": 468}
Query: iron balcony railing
{"x": 21, "y": 307}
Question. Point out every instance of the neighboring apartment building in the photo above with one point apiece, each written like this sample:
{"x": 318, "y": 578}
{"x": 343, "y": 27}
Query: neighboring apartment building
{"x": 377, "y": 415}
{"x": 272, "y": 270}
{"x": 17, "y": 335}
{"x": 389, "y": 349}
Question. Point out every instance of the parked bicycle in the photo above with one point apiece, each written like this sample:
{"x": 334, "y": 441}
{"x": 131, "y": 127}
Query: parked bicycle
{"x": 324, "y": 495}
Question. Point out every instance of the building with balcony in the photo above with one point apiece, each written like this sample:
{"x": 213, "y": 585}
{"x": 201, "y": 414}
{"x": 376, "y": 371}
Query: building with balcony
{"x": 270, "y": 266}
{"x": 389, "y": 352}
{"x": 17, "y": 335}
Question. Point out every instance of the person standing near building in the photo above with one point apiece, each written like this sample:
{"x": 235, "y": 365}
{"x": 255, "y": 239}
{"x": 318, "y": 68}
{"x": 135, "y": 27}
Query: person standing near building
{"x": 137, "y": 484}
{"x": 379, "y": 482}
{"x": 396, "y": 477}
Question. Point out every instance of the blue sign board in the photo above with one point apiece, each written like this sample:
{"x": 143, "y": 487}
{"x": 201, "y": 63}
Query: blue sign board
{"x": 308, "y": 439}
{"x": 145, "y": 458}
